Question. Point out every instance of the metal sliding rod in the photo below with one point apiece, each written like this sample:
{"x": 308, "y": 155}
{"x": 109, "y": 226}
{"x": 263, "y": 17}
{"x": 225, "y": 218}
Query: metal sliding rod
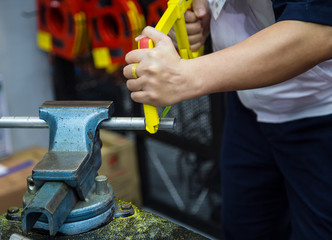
{"x": 115, "y": 123}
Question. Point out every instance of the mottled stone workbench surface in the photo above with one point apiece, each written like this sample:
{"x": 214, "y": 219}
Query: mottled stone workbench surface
{"x": 141, "y": 225}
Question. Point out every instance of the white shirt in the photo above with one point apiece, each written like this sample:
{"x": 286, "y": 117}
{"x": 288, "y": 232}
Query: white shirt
{"x": 307, "y": 95}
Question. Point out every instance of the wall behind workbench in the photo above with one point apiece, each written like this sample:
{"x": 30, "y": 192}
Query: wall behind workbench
{"x": 24, "y": 68}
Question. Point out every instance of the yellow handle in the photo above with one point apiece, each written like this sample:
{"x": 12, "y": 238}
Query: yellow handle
{"x": 151, "y": 112}
{"x": 173, "y": 16}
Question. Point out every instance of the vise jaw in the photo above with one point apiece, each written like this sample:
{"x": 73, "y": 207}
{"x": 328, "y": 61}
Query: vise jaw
{"x": 74, "y": 147}
{"x": 65, "y": 196}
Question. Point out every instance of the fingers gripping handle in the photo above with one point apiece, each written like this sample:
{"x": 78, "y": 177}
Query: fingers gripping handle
{"x": 151, "y": 112}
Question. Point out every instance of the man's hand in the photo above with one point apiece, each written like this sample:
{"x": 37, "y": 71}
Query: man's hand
{"x": 197, "y": 24}
{"x": 160, "y": 72}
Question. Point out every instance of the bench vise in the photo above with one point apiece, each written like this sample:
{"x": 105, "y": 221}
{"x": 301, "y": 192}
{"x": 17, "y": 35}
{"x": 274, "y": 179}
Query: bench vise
{"x": 65, "y": 194}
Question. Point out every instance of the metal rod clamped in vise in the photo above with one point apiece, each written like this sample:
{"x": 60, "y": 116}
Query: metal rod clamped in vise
{"x": 114, "y": 123}
{"x": 65, "y": 177}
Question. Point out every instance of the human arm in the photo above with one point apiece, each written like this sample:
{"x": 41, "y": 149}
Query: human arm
{"x": 271, "y": 56}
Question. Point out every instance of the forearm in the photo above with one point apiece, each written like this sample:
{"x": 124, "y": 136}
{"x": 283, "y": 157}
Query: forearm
{"x": 271, "y": 56}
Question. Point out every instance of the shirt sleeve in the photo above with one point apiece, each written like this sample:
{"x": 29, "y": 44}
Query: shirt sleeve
{"x": 316, "y": 11}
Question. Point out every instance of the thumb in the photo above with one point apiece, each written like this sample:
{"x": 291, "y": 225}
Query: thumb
{"x": 200, "y": 7}
{"x": 152, "y": 33}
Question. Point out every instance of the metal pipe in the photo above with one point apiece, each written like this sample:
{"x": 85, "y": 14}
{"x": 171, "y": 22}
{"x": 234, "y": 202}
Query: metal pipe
{"x": 115, "y": 123}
